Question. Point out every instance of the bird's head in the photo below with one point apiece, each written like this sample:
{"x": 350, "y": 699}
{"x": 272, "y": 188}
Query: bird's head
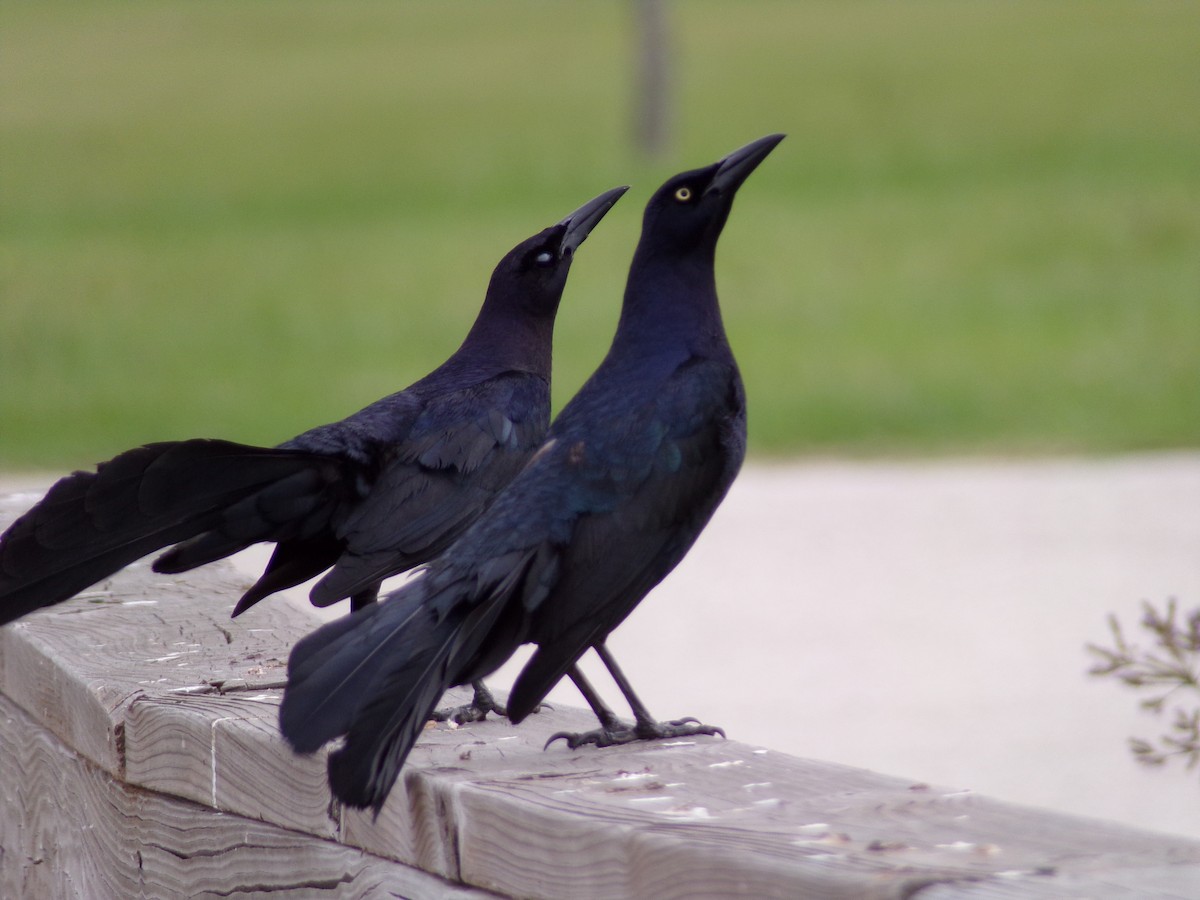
{"x": 689, "y": 211}
{"x": 536, "y": 269}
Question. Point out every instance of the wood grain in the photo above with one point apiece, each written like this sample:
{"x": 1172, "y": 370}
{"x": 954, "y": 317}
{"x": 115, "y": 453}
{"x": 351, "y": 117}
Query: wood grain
{"x": 124, "y": 765}
{"x": 70, "y": 830}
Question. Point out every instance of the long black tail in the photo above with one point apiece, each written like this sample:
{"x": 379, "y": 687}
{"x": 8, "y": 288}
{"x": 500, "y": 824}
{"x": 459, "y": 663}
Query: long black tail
{"x": 376, "y": 676}
{"x": 91, "y": 524}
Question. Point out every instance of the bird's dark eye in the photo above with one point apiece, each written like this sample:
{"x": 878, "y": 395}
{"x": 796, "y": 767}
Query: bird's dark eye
{"x": 683, "y": 194}
{"x": 544, "y": 258}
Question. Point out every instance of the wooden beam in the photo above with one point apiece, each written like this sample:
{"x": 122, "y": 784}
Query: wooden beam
{"x": 69, "y": 829}
{"x": 159, "y": 711}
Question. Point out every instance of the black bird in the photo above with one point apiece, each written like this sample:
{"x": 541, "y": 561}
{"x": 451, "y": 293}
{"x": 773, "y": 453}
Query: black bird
{"x": 374, "y": 494}
{"x": 628, "y": 476}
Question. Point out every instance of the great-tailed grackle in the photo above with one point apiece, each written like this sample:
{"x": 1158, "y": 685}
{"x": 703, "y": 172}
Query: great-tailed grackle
{"x": 371, "y": 495}
{"x": 629, "y": 474}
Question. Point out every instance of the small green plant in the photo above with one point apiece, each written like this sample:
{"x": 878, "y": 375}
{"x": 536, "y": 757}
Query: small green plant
{"x": 1170, "y": 669}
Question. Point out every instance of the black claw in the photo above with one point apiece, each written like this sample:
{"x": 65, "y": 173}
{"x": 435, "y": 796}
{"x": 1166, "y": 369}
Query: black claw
{"x": 643, "y": 731}
{"x": 499, "y": 709}
{"x": 601, "y": 737}
{"x": 476, "y": 711}
{"x": 565, "y": 735}
{"x": 688, "y": 726}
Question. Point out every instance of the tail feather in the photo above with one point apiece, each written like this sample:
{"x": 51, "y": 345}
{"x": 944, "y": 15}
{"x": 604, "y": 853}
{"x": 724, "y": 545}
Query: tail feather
{"x": 80, "y": 507}
{"x": 355, "y": 571}
{"x": 198, "y": 550}
{"x": 212, "y": 472}
{"x": 333, "y": 670}
{"x": 363, "y": 771}
{"x": 375, "y": 677}
{"x": 291, "y": 563}
{"x": 92, "y": 524}
{"x": 539, "y": 675}
{"x": 279, "y": 511}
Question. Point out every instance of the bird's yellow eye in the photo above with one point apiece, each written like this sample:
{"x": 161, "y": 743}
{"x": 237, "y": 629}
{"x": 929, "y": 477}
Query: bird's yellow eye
{"x": 684, "y": 194}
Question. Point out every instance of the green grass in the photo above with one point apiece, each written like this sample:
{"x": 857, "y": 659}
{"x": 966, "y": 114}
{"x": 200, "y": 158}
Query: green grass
{"x": 240, "y": 220}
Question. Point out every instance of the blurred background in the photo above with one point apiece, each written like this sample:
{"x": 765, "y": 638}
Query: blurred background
{"x": 981, "y": 238}
{"x": 240, "y": 220}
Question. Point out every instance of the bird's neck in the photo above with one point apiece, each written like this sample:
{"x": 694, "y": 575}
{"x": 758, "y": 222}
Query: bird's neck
{"x": 507, "y": 339}
{"x": 672, "y": 302}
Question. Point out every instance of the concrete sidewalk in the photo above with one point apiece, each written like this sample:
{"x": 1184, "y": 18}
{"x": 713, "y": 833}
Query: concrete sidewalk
{"x": 929, "y": 621}
{"x": 926, "y": 620}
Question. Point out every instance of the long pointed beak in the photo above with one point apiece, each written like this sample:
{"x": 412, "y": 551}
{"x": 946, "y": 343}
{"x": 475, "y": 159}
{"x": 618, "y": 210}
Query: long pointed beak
{"x": 737, "y": 166}
{"x": 581, "y": 222}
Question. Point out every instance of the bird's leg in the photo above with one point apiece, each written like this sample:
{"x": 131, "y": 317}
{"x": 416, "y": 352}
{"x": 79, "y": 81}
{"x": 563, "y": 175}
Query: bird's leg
{"x": 476, "y": 711}
{"x": 607, "y": 717}
{"x": 612, "y": 731}
{"x": 645, "y": 725}
{"x": 610, "y": 725}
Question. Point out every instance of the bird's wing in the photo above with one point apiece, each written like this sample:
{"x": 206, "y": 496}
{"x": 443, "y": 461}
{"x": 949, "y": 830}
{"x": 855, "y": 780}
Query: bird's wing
{"x": 458, "y": 455}
{"x": 301, "y": 514}
{"x": 628, "y": 505}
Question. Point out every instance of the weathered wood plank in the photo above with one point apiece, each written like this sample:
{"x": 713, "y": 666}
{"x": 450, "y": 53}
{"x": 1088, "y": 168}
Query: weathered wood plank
{"x": 225, "y": 752}
{"x": 68, "y": 829}
{"x": 79, "y": 665}
{"x": 119, "y": 678}
{"x": 1162, "y": 882}
{"x": 670, "y": 821}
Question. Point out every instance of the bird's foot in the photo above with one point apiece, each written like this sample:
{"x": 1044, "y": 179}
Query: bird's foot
{"x": 465, "y": 714}
{"x": 476, "y": 711}
{"x": 620, "y": 733}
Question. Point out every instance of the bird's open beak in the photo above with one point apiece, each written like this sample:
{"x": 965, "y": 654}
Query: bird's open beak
{"x": 737, "y": 166}
{"x": 581, "y": 222}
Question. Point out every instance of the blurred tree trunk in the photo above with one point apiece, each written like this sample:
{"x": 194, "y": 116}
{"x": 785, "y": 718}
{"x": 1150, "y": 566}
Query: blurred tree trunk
{"x": 651, "y": 125}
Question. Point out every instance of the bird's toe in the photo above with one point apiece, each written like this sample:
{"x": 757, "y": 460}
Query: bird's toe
{"x": 688, "y": 726}
{"x": 600, "y": 737}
